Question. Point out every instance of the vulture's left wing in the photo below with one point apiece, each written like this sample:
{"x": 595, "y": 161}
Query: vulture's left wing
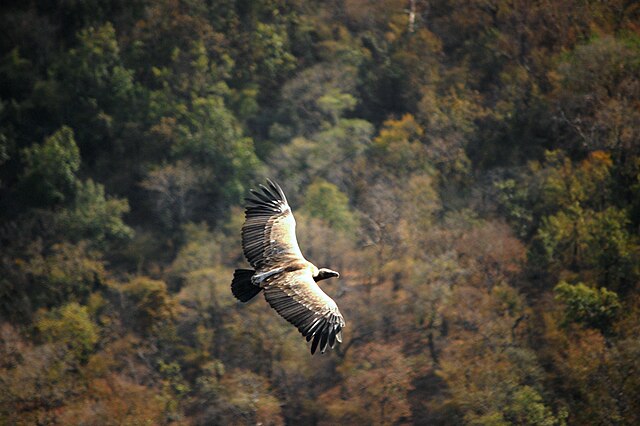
{"x": 269, "y": 230}
{"x": 299, "y": 300}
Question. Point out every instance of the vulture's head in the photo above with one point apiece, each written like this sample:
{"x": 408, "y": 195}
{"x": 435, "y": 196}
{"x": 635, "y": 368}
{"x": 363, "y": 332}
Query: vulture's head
{"x": 324, "y": 273}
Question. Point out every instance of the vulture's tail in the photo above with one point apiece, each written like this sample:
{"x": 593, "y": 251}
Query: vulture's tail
{"x": 242, "y": 287}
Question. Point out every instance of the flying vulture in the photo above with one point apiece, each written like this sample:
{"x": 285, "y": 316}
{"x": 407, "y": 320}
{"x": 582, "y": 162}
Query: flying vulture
{"x": 281, "y": 271}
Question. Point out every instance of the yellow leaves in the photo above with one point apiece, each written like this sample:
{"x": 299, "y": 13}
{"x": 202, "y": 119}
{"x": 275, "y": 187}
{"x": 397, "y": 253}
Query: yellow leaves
{"x": 398, "y": 148}
{"x": 71, "y": 326}
{"x": 600, "y": 158}
{"x": 150, "y": 302}
{"x": 399, "y": 130}
{"x": 207, "y": 288}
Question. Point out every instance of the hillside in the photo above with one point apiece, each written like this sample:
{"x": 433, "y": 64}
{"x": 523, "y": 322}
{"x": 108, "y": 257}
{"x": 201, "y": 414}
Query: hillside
{"x": 472, "y": 169}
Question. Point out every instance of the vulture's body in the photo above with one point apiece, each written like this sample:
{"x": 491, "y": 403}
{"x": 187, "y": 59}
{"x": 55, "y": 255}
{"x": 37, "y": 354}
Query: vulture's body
{"x": 281, "y": 271}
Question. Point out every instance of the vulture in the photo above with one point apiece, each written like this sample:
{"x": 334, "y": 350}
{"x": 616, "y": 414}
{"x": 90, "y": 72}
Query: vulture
{"x": 288, "y": 280}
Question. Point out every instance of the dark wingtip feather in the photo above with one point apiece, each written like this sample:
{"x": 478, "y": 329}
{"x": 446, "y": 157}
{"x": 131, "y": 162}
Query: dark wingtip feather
{"x": 314, "y": 345}
{"x": 332, "y": 336}
{"x": 277, "y": 189}
{"x": 260, "y": 196}
{"x": 273, "y": 185}
{"x": 324, "y": 337}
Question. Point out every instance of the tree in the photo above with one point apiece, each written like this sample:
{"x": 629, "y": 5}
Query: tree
{"x": 149, "y": 304}
{"x": 597, "y": 84}
{"x": 94, "y": 217}
{"x": 53, "y": 276}
{"x": 206, "y": 135}
{"x": 71, "y": 327}
{"x": 324, "y": 200}
{"x": 595, "y": 244}
{"x": 173, "y": 189}
{"x": 377, "y": 378}
{"x": 49, "y": 176}
{"x": 597, "y": 308}
{"x": 315, "y": 96}
{"x": 329, "y": 153}
{"x": 398, "y": 149}
{"x": 238, "y": 397}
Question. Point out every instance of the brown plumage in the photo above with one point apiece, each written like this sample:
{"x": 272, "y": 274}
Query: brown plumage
{"x": 287, "y": 278}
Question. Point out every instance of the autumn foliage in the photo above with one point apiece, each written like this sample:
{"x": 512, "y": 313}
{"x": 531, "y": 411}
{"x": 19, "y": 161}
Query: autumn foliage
{"x": 472, "y": 169}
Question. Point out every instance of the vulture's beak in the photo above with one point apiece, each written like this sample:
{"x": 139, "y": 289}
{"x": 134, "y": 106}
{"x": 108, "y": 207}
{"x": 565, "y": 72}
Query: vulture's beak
{"x": 325, "y": 273}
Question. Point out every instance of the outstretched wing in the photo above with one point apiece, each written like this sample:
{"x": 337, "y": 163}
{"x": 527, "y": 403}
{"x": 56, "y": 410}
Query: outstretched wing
{"x": 269, "y": 230}
{"x": 299, "y": 300}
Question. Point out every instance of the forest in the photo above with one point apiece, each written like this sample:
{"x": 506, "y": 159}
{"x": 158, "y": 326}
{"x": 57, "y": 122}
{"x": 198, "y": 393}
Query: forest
{"x": 470, "y": 167}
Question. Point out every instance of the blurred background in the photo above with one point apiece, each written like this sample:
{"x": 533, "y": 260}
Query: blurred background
{"x": 471, "y": 167}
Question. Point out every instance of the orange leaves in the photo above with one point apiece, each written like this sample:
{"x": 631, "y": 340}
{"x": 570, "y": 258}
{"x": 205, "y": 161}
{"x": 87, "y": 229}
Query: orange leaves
{"x": 114, "y": 400}
{"x": 398, "y": 147}
{"x": 376, "y": 380}
{"x": 493, "y": 249}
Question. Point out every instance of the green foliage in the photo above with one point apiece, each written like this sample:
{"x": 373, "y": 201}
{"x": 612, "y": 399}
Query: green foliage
{"x": 513, "y": 199}
{"x": 49, "y": 176}
{"x": 583, "y": 240}
{"x": 598, "y": 83}
{"x": 96, "y": 70}
{"x": 175, "y": 387}
{"x": 567, "y": 207}
{"x": 209, "y": 136}
{"x": 592, "y": 307}
{"x": 317, "y": 95}
{"x": 237, "y": 397}
{"x": 325, "y": 201}
{"x": 335, "y": 104}
{"x": 70, "y": 326}
{"x": 200, "y": 250}
{"x": 270, "y": 52}
{"x": 211, "y": 122}
{"x": 63, "y": 272}
{"x": 527, "y": 408}
{"x": 94, "y": 217}
{"x": 565, "y": 183}
{"x": 92, "y": 76}
{"x": 328, "y": 153}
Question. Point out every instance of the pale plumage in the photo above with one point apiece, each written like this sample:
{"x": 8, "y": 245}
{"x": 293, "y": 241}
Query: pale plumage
{"x": 287, "y": 278}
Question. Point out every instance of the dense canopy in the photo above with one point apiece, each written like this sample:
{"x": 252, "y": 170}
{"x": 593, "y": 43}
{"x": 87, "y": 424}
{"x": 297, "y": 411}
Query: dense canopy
{"x": 472, "y": 169}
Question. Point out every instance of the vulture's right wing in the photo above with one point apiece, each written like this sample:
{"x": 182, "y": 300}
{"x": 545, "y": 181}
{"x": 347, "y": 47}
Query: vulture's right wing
{"x": 299, "y": 300}
{"x": 269, "y": 230}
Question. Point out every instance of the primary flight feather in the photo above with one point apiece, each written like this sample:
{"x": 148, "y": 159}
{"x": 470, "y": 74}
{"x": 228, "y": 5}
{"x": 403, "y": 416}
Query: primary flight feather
{"x": 288, "y": 280}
